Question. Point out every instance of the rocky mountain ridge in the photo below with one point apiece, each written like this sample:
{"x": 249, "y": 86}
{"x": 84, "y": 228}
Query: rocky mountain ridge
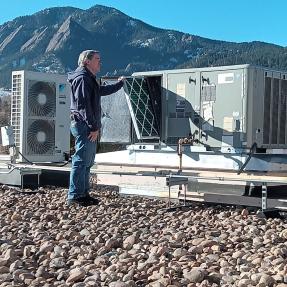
{"x": 50, "y": 41}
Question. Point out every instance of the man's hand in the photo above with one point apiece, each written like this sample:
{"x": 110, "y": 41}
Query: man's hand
{"x": 93, "y": 136}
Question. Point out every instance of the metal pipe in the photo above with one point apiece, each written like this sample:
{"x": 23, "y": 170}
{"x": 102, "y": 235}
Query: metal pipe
{"x": 180, "y": 143}
{"x": 179, "y": 152}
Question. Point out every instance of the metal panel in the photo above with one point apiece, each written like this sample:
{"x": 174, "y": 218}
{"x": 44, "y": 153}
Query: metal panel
{"x": 222, "y": 108}
{"x": 183, "y": 106}
{"x": 116, "y": 118}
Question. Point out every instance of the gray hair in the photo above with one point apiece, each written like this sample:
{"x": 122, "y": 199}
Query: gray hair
{"x": 86, "y": 55}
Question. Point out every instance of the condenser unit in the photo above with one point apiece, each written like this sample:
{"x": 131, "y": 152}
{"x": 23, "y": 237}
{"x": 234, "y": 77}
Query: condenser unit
{"x": 40, "y": 116}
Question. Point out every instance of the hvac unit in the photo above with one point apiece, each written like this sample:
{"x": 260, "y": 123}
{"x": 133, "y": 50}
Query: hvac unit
{"x": 225, "y": 108}
{"x": 229, "y": 117}
{"x": 40, "y": 116}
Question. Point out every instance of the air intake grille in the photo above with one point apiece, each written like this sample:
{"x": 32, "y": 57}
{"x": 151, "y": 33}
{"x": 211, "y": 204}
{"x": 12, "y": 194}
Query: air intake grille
{"x": 274, "y": 114}
{"x": 16, "y": 107}
{"x": 40, "y": 137}
{"x": 283, "y": 107}
{"x": 141, "y": 108}
{"x": 274, "y": 125}
{"x": 41, "y": 99}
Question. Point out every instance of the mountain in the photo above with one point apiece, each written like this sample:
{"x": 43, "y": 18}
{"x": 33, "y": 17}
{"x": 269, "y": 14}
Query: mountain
{"x": 52, "y": 39}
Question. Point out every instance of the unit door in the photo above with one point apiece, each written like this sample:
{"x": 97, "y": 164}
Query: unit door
{"x": 141, "y": 108}
{"x": 116, "y": 118}
{"x": 221, "y": 100}
{"x": 183, "y": 107}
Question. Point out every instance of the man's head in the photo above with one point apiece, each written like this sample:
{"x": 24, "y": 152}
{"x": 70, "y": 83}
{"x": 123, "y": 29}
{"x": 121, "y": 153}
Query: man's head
{"x": 91, "y": 60}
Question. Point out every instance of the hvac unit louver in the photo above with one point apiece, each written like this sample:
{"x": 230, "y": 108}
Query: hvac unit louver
{"x": 40, "y": 116}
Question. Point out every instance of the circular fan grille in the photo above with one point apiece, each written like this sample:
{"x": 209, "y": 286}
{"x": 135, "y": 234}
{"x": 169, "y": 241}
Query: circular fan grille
{"x": 41, "y": 137}
{"x": 42, "y": 99}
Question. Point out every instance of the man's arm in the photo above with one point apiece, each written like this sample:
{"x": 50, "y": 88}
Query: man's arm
{"x": 110, "y": 89}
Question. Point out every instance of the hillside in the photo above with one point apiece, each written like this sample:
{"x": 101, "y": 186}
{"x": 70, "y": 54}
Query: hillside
{"x": 51, "y": 40}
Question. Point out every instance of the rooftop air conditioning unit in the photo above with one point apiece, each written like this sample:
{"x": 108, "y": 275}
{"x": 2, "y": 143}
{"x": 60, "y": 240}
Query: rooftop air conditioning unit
{"x": 226, "y": 108}
{"x": 40, "y": 116}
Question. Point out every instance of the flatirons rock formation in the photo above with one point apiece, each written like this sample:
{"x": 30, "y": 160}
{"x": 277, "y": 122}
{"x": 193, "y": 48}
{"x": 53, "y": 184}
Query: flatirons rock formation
{"x": 51, "y": 40}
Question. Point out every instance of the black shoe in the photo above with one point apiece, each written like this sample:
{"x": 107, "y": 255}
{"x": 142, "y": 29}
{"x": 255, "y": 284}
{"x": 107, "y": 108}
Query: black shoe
{"x": 93, "y": 200}
{"x": 82, "y": 201}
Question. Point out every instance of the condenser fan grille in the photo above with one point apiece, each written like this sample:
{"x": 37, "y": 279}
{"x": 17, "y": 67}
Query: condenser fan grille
{"x": 41, "y": 137}
{"x": 41, "y": 99}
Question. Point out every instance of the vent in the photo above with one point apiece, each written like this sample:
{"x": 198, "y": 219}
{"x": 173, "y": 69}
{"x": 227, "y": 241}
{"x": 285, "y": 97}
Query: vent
{"x": 267, "y": 102}
{"x": 274, "y": 114}
{"x": 141, "y": 109}
{"x": 283, "y": 107}
{"x": 40, "y": 137}
{"x": 41, "y": 99}
{"x": 274, "y": 125}
{"x": 16, "y": 107}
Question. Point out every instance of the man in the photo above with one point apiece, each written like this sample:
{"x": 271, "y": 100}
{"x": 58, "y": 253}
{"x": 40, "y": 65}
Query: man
{"x": 85, "y": 123}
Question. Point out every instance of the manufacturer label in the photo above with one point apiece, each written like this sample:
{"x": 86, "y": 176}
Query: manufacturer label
{"x": 226, "y": 78}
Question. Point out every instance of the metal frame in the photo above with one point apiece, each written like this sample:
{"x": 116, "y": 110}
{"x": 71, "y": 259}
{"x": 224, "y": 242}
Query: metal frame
{"x": 170, "y": 178}
{"x": 14, "y": 175}
{"x": 265, "y": 203}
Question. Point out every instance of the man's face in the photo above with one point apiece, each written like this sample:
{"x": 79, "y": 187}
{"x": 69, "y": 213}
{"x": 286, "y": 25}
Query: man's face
{"x": 94, "y": 65}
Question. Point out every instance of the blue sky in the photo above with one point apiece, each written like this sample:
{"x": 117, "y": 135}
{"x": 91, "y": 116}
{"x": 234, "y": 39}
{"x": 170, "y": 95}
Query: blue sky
{"x": 228, "y": 20}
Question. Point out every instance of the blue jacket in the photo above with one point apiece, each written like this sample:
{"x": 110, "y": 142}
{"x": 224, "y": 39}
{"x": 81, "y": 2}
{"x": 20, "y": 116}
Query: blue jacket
{"x": 86, "y": 96}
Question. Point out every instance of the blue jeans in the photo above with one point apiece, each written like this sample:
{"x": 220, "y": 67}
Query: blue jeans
{"x": 82, "y": 160}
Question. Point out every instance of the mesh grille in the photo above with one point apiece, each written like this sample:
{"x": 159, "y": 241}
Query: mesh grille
{"x": 41, "y": 137}
{"x": 141, "y": 109}
{"x": 41, "y": 99}
{"x": 16, "y": 107}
